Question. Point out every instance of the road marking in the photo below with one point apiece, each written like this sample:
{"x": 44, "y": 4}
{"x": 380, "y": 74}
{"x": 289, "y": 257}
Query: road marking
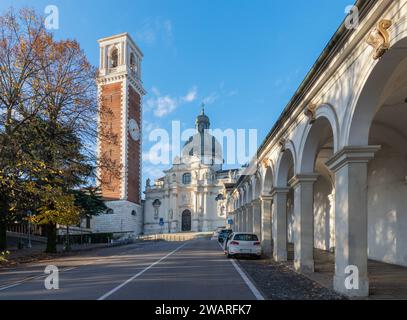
{"x": 36, "y": 277}
{"x": 250, "y": 284}
{"x": 138, "y": 274}
{"x": 15, "y": 284}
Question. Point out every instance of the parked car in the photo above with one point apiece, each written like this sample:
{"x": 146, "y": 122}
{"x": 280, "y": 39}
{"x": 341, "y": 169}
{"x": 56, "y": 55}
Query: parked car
{"x": 217, "y": 231}
{"x": 224, "y": 234}
{"x": 243, "y": 244}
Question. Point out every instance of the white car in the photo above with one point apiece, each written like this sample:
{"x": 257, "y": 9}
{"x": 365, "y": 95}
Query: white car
{"x": 243, "y": 243}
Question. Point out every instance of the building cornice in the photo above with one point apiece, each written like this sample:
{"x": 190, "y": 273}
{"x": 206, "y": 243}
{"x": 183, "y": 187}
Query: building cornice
{"x": 330, "y": 52}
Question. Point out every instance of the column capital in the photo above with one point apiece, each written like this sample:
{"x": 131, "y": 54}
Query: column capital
{"x": 247, "y": 205}
{"x": 279, "y": 191}
{"x": 265, "y": 197}
{"x": 351, "y": 155}
{"x": 303, "y": 178}
{"x": 256, "y": 202}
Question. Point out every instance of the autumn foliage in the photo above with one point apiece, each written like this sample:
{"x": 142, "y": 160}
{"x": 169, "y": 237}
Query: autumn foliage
{"x": 48, "y": 127}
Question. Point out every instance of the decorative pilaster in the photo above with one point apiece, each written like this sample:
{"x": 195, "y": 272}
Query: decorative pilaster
{"x": 280, "y": 223}
{"x": 304, "y": 221}
{"x": 350, "y": 168}
{"x": 266, "y": 225}
{"x": 249, "y": 217}
{"x": 257, "y": 217}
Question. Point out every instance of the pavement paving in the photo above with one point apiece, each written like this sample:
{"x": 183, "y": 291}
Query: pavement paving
{"x": 192, "y": 270}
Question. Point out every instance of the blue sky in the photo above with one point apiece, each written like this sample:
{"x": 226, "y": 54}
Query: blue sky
{"x": 245, "y": 58}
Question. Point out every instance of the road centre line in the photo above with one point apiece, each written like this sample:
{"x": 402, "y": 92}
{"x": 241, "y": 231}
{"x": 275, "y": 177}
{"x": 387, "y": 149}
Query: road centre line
{"x": 139, "y": 274}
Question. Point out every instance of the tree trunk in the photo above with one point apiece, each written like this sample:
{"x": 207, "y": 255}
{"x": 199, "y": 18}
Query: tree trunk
{"x": 51, "y": 238}
{"x": 3, "y": 235}
{"x": 3, "y": 228}
{"x": 68, "y": 244}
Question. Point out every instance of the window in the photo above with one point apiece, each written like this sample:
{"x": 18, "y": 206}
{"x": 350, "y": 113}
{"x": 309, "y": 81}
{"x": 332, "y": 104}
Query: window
{"x": 156, "y": 205}
{"x": 246, "y": 237}
{"x": 133, "y": 65}
{"x": 186, "y": 178}
{"x": 114, "y": 58}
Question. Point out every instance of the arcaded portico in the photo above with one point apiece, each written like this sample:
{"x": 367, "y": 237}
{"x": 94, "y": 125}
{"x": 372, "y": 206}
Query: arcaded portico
{"x": 332, "y": 173}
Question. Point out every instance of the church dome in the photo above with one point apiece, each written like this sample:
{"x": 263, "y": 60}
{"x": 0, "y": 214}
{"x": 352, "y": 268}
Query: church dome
{"x": 202, "y": 145}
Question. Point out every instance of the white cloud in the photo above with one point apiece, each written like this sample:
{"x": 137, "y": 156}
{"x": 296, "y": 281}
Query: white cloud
{"x": 154, "y": 29}
{"x": 211, "y": 98}
{"x": 152, "y": 172}
{"x": 191, "y": 95}
{"x": 162, "y": 105}
{"x": 233, "y": 93}
{"x": 165, "y": 105}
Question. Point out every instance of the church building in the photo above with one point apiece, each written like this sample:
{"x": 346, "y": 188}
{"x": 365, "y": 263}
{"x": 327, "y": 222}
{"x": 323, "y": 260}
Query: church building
{"x": 192, "y": 194}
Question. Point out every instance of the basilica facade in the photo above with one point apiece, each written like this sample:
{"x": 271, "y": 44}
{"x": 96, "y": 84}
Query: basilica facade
{"x": 191, "y": 196}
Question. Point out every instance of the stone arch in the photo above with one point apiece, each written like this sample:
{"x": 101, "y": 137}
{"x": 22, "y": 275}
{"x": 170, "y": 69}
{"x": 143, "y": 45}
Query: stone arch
{"x": 324, "y": 111}
{"x": 241, "y": 194}
{"x": 286, "y": 162}
{"x": 249, "y": 195}
{"x": 257, "y": 186}
{"x": 114, "y": 55}
{"x": 314, "y": 138}
{"x": 268, "y": 180}
{"x": 371, "y": 94}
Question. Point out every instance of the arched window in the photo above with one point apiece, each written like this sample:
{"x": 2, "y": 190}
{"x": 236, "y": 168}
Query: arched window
{"x": 156, "y": 205}
{"x": 186, "y": 178}
{"x": 114, "y": 58}
{"x": 133, "y": 65}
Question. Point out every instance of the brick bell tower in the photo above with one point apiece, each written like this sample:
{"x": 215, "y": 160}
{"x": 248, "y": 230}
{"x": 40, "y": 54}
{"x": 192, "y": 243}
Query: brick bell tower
{"x": 120, "y": 92}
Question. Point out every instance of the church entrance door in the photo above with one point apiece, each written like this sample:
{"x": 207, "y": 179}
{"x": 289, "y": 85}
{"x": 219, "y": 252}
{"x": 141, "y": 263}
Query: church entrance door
{"x": 186, "y": 220}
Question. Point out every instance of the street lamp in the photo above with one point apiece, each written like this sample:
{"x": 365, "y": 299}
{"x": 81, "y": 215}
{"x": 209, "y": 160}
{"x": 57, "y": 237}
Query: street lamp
{"x": 29, "y": 228}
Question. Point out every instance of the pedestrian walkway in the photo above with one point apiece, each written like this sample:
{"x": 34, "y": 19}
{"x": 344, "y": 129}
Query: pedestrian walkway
{"x": 386, "y": 281}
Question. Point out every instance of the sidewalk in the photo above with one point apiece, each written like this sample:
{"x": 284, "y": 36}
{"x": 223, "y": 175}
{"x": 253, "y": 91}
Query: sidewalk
{"x": 37, "y": 252}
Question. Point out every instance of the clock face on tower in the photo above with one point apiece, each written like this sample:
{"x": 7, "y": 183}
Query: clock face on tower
{"x": 134, "y": 130}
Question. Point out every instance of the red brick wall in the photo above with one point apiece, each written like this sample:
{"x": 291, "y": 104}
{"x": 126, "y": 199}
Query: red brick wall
{"x": 133, "y": 151}
{"x": 111, "y": 147}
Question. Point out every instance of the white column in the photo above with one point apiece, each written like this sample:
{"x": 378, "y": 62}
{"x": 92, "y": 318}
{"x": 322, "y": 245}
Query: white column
{"x": 241, "y": 221}
{"x": 350, "y": 168}
{"x": 266, "y": 234}
{"x": 206, "y": 213}
{"x": 246, "y": 218}
{"x": 331, "y": 199}
{"x": 249, "y": 217}
{"x": 195, "y": 214}
{"x": 256, "y": 217}
{"x": 280, "y": 224}
{"x": 304, "y": 221}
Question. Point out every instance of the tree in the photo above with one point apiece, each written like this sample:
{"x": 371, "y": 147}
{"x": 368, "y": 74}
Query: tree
{"x": 23, "y": 42}
{"x": 68, "y": 82}
{"x": 65, "y": 169}
{"x": 48, "y": 116}
{"x": 90, "y": 201}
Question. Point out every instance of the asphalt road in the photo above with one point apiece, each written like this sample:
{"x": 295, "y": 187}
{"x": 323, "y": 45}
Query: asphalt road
{"x": 193, "y": 270}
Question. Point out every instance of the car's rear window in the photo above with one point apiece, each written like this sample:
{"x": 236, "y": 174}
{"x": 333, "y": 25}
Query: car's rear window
{"x": 246, "y": 237}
